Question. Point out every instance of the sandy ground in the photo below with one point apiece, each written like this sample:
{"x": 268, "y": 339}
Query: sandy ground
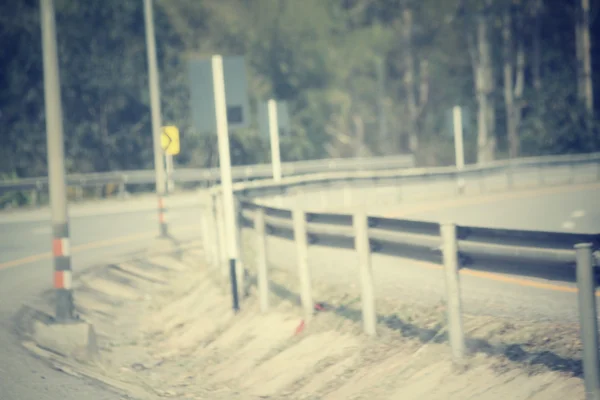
{"x": 166, "y": 329}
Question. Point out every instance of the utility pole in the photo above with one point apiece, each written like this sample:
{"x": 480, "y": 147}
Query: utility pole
{"x": 156, "y": 116}
{"x": 56, "y": 166}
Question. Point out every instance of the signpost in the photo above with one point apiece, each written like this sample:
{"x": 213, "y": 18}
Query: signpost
{"x": 226, "y": 178}
{"x": 203, "y": 96}
{"x": 169, "y": 140}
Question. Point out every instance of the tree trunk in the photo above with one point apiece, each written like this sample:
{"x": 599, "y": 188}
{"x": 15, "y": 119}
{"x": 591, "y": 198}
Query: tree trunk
{"x": 383, "y": 139}
{"x": 416, "y": 92}
{"x": 588, "y": 89}
{"x": 486, "y": 143}
{"x": 507, "y": 53}
{"x": 512, "y": 94}
{"x": 409, "y": 79}
{"x": 518, "y": 97}
{"x": 537, "y": 50}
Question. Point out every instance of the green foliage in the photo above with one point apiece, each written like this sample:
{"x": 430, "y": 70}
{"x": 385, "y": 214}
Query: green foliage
{"x": 319, "y": 55}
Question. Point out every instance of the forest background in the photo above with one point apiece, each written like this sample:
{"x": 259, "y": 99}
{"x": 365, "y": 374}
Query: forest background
{"x": 361, "y": 78}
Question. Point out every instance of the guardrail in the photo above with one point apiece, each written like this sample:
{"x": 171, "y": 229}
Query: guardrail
{"x": 559, "y": 256}
{"x": 209, "y": 175}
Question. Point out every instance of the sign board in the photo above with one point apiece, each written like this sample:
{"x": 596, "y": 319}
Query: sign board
{"x": 448, "y": 126}
{"x": 283, "y": 119}
{"x": 169, "y": 140}
{"x": 202, "y": 95}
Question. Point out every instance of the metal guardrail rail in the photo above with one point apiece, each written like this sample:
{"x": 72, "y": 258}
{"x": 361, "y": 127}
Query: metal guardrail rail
{"x": 552, "y": 255}
{"x": 199, "y": 176}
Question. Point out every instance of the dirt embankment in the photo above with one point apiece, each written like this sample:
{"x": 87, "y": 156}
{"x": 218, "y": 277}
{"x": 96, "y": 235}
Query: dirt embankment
{"x": 166, "y": 329}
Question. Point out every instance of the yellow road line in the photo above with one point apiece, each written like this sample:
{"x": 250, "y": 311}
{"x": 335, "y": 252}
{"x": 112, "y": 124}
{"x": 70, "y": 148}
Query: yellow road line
{"x": 491, "y": 276}
{"x": 89, "y": 246}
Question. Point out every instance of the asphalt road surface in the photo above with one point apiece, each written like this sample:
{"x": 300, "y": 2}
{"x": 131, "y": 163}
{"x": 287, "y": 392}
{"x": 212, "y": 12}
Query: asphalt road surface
{"x": 99, "y": 233}
{"x": 572, "y": 209}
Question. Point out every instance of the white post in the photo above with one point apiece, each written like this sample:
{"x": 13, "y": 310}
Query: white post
{"x": 240, "y": 270}
{"x": 451, "y": 270}
{"x": 459, "y": 152}
{"x": 225, "y": 169}
{"x": 363, "y": 248}
{"x": 458, "y": 137}
{"x": 274, "y": 136}
{"x": 261, "y": 258}
{"x": 301, "y": 239}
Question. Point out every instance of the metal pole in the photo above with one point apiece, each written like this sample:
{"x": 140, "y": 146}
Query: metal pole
{"x": 156, "y": 115}
{"x": 274, "y": 135}
{"x": 451, "y": 270}
{"x": 225, "y": 169}
{"x": 56, "y": 166}
{"x": 588, "y": 320}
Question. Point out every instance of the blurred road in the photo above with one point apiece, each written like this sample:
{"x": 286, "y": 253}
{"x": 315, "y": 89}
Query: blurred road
{"x": 566, "y": 209}
{"x": 559, "y": 209}
{"x": 100, "y": 233}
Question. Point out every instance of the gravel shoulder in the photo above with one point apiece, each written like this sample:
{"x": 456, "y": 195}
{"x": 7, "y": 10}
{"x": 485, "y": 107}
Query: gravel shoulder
{"x": 166, "y": 329}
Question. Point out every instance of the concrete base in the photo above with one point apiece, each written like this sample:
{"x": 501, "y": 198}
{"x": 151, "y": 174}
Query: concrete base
{"x": 74, "y": 339}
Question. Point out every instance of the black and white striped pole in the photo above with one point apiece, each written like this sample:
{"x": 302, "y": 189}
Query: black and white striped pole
{"x": 56, "y": 166}
{"x": 159, "y": 165}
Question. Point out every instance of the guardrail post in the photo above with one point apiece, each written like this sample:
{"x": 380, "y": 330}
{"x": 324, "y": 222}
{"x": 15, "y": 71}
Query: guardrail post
{"x": 261, "y": 258}
{"x": 301, "y": 239}
{"x": 588, "y": 320}
{"x": 240, "y": 269}
{"x": 363, "y": 248}
{"x": 451, "y": 271}
{"x": 122, "y": 187}
{"x": 38, "y": 194}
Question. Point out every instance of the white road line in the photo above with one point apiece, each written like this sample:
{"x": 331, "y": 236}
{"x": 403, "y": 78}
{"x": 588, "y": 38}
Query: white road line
{"x": 578, "y": 214}
{"x": 568, "y": 225}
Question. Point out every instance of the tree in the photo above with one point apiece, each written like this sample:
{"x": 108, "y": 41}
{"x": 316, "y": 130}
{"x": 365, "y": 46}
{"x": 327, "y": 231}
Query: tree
{"x": 514, "y": 77}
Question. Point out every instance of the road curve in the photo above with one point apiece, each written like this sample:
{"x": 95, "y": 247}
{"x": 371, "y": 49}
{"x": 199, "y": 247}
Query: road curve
{"x": 402, "y": 280}
{"x": 26, "y": 267}
{"x": 99, "y": 233}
